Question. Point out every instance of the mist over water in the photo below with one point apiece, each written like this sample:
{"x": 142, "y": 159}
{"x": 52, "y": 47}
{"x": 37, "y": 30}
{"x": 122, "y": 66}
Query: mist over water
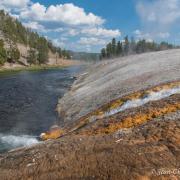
{"x": 27, "y": 104}
{"x": 12, "y": 141}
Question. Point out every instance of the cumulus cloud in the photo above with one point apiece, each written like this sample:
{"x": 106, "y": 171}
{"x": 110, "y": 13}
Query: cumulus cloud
{"x": 91, "y": 41}
{"x": 8, "y": 4}
{"x": 34, "y": 12}
{"x": 92, "y": 31}
{"x": 101, "y": 32}
{"x": 72, "y": 32}
{"x": 34, "y": 25}
{"x": 63, "y": 13}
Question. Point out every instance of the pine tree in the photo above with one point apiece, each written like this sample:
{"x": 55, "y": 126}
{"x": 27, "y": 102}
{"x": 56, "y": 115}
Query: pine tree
{"x": 3, "y": 55}
{"x": 32, "y": 57}
{"x": 119, "y": 49}
{"x": 109, "y": 50}
{"x": 103, "y": 53}
{"x": 126, "y": 45}
{"x": 132, "y": 48}
{"x": 59, "y": 51}
{"x": 113, "y": 53}
{"x": 68, "y": 55}
{"x": 43, "y": 50}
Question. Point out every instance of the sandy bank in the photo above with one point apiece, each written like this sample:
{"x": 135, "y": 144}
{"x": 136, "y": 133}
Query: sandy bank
{"x": 13, "y": 67}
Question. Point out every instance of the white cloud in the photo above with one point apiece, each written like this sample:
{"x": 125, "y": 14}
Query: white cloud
{"x": 72, "y": 32}
{"x": 142, "y": 35}
{"x": 63, "y": 38}
{"x": 58, "y": 42}
{"x": 63, "y": 13}
{"x": 160, "y": 12}
{"x": 14, "y": 3}
{"x": 149, "y": 36}
{"x": 91, "y": 41}
{"x": 92, "y": 31}
{"x": 34, "y": 12}
{"x": 34, "y": 25}
{"x": 101, "y": 32}
{"x": 60, "y": 29}
{"x": 15, "y": 16}
{"x": 164, "y": 35}
{"x": 137, "y": 32}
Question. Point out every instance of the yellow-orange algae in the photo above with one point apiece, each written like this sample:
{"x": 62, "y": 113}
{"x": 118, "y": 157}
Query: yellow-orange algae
{"x": 128, "y": 122}
{"x": 119, "y": 102}
{"x": 53, "y": 133}
{"x": 135, "y": 120}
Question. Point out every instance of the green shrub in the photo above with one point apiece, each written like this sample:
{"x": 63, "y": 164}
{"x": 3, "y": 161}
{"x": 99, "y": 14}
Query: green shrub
{"x": 3, "y": 55}
{"x": 32, "y": 57}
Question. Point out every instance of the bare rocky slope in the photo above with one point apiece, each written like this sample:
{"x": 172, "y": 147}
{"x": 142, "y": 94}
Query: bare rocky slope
{"x": 116, "y": 78}
{"x": 140, "y": 142}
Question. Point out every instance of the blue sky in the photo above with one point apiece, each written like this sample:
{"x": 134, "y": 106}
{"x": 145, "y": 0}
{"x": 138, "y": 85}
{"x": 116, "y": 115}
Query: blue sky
{"x": 87, "y": 25}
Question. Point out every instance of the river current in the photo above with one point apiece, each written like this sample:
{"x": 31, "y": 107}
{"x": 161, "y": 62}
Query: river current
{"x": 27, "y": 104}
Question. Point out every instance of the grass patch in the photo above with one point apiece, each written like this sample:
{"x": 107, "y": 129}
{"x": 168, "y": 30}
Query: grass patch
{"x": 29, "y": 68}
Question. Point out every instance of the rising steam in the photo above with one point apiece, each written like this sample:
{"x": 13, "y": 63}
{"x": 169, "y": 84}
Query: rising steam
{"x": 18, "y": 141}
{"x": 153, "y": 96}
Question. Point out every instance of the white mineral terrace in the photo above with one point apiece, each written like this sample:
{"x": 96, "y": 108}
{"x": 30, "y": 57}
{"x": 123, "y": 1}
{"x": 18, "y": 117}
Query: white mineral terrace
{"x": 152, "y": 96}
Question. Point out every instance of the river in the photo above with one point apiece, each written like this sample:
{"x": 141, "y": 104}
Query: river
{"x": 27, "y": 104}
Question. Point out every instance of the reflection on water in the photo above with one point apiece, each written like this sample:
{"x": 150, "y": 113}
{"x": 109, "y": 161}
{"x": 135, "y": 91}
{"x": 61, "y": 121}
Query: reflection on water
{"x": 27, "y": 104}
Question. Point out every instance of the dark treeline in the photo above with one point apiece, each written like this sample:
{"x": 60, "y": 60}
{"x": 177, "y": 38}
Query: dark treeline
{"x": 14, "y": 32}
{"x": 127, "y": 47}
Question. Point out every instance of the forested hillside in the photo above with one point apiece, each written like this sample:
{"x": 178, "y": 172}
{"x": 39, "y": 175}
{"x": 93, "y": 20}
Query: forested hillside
{"x": 127, "y": 47}
{"x": 12, "y": 33}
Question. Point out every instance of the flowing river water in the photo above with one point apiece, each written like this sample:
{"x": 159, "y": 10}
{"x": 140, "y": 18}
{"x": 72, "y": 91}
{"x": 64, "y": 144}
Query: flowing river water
{"x": 27, "y": 104}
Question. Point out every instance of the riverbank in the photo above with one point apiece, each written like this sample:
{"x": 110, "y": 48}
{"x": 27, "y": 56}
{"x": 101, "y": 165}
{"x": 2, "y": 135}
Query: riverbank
{"x": 121, "y": 121}
{"x": 14, "y": 68}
